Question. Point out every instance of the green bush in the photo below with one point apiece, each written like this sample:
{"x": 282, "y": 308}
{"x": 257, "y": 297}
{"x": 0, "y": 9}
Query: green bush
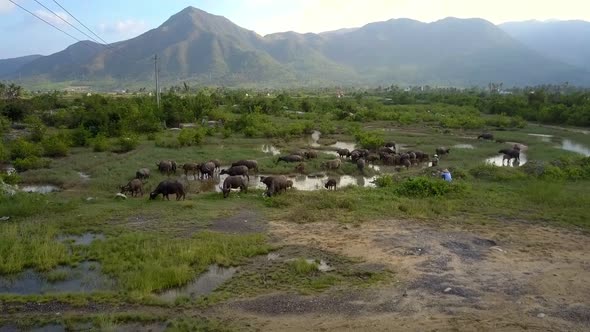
{"x": 127, "y": 143}
{"x": 553, "y": 173}
{"x": 31, "y": 162}
{"x": 36, "y": 127}
{"x": 369, "y": 139}
{"x": 191, "y": 136}
{"x": 151, "y": 136}
{"x": 427, "y": 187}
{"x": 495, "y": 173}
{"x": 80, "y": 136}
{"x": 21, "y": 149}
{"x": 385, "y": 181}
{"x": 167, "y": 142}
{"x": 100, "y": 143}
{"x": 55, "y": 146}
{"x": 4, "y": 153}
{"x": 10, "y": 179}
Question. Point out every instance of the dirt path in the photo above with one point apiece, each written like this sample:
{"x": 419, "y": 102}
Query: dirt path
{"x": 508, "y": 277}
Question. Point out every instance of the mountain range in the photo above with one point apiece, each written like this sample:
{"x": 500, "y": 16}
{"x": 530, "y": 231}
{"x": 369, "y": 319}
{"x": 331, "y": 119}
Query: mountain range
{"x": 196, "y": 46}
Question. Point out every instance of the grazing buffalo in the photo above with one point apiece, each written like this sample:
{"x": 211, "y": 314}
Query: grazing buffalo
{"x": 343, "y": 153}
{"x": 207, "y": 169}
{"x": 360, "y": 164}
{"x": 372, "y": 158}
{"x": 191, "y": 168}
{"x": 332, "y": 164}
{"x": 486, "y": 136}
{"x": 142, "y": 173}
{"x": 311, "y": 154}
{"x": 275, "y": 184}
{"x": 236, "y": 170}
{"x": 442, "y": 150}
{"x": 331, "y": 184}
{"x": 168, "y": 187}
{"x": 355, "y": 155}
{"x": 385, "y": 149}
{"x": 217, "y": 163}
{"x": 166, "y": 167}
{"x": 233, "y": 182}
{"x": 134, "y": 187}
{"x": 251, "y": 164}
{"x": 292, "y": 158}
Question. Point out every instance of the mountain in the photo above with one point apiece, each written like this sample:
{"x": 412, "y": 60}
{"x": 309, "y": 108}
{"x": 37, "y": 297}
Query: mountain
{"x": 196, "y": 46}
{"x": 566, "y": 41}
{"x": 9, "y": 66}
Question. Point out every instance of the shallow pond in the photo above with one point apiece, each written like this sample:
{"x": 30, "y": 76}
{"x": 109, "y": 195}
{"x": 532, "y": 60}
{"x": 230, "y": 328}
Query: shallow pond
{"x": 40, "y": 189}
{"x": 570, "y": 145}
{"x": 344, "y": 145}
{"x": 84, "y": 278}
{"x": 267, "y": 148}
{"x": 81, "y": 240}
{"x": 463, "y": 146}
{"x": 205, "y": 284}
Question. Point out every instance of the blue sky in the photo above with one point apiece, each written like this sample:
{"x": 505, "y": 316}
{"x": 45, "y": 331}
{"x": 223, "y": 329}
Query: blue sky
{"x": 22, "y": 34}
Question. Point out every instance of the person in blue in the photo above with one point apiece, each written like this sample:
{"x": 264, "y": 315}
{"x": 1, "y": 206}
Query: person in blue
{"x": 446, "y": 175}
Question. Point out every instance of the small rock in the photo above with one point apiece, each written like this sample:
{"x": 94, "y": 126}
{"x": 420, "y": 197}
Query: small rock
{"x": 541, "y": 315}
{"x": 120, "y": 196}
{"x": 448, "y": 289}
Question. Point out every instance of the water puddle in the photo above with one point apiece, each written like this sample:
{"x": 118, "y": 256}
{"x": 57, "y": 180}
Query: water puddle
{"x": 543, "y": 137}
{"x": 40, "y": 189}
{"x": 499, "y": 161}
{"x": 81, "y": 240}
{"x": 205, "y": 284}
{"x": 344, "y": 145}
{"x": 84, "y": 278}
{"x": 463, "y": 146}
{"x": 323, "y": 266}
{"x": 570, "y": 145}
{"x": 315, "y": 137}
{"x": 267, "y": 148}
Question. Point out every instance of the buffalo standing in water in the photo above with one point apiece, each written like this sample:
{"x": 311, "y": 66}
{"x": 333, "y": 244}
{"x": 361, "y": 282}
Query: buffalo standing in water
{"x": 510, "y": 154}
{"x": 168, "y": 187}
{"x": 251, "y": 164}
{"x": 233, "y": 182}
{"x": 236, "y": 170}
{"x": 331, "y": 184}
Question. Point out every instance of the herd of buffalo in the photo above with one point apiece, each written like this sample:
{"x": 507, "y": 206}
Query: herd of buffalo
{"x": 239, "y": 172}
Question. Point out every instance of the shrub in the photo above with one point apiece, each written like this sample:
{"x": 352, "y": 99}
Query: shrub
{"x": 10, "y": 179}
{"x": 303, "y": 267}
{"x": 495, "y": 173}
{"x": 37, "y": 128}
{"x": 370, "y": 139}
{"x": 21, "y": 149}
{"x": 427, "y": 187}
{"x": 127, "y": 143}
{"x": 553, "y": 173}
{"x": 191, "y": 136}
{"x": 4, "y": 153}
{"x": 151, "y": 136}
{"x": 166, "y": 142}
{"x": 385, "y": 181}
{"x": 100, "y": 143}
{"x": 31, "y": 162}
{"x": 80, "y": 136}
{"x": 55, "y": 146}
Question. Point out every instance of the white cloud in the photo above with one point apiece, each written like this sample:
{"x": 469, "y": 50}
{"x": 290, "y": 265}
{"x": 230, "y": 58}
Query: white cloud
{"x": 6, "y": 6}
{"x": 51, "y": 18}
{"x": 124, "y": 28}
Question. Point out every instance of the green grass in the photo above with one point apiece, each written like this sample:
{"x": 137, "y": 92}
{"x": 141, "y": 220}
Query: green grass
{"x": 302, "y": 267}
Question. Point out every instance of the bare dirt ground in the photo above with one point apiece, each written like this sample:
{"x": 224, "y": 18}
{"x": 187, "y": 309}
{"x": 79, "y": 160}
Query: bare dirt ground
{"x": 488, "y": 278}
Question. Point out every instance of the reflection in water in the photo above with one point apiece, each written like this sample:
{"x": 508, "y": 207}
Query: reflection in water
{"x": 81, "y": 240}
{"x": 267, "y": 148}
{"x": 499, "y": 160}
{"x": 203, "y": 285}
{"x": 569, "y": 145}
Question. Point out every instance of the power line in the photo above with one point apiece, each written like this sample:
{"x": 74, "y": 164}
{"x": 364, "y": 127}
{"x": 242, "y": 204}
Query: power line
{"x": 92, "y": 32}
{"x": 28, "y": 11}
{"x": 70, "y": 24}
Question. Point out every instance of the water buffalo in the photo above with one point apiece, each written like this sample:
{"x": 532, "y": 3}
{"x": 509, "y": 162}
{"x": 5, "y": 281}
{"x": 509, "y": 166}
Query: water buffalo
{"x": 360, "y": 164}
{"x": 388, "y": 159}
{"x": 292, "y": 158}
{"x": 442, "y": 150}
{"x": 385, "y": 149}
{"x": 207, "y": 169}
{"x": 233, "y": 182}
{"x": 311, "y": 154}
{"x": 486, "y": 136}
{"x": 516, "y": 147}
{"x": 298, "y": 153}
{"x": 390, "y": 145}
{"x": 217, "y": 163}
{"x": 251, "y": 164}
{"x": 168, "y": 187}
{"x": 511, "y": 153}
{"x": 191, "y": 168}
{"x": 355, "y": 155}
{"x": 275, "y": 184}
{"x": 289, "y": 184}
{"x": 236, "y": 170}
{"x": 413, "y": 158}
{"x": 332, "y": 164}
{"x": 343, "y": 153}
{"x": 142, "y": 173}
{"x": 300, "y": 168}
{"x": 372, "y": 158}
{"x": 134, "y": 187}
{"x": 166, "y": 167}
{"x": 331, "y": 184}
{"x": 406, "y": 162}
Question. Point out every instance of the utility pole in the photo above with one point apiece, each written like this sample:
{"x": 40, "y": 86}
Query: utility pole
{"x": 157, "y": 83}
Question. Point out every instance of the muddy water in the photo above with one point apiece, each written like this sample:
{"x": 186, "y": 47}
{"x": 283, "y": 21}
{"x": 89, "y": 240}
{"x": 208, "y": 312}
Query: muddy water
{"x": 463, "y": 146}
{"x": 40, "y": 189}
{"x": 344, "y": 145}
{"x": 203, "y": 285}
{"x": 570, "y": 145}
{"x": 84, "y": 278}
{"x": 267, "y": 148}
{"x": 81, "y": 240}
{"x": 498, "y": 159}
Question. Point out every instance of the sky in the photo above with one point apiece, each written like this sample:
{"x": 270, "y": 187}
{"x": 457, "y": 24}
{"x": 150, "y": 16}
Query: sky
{"x": 23, "y": 34}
